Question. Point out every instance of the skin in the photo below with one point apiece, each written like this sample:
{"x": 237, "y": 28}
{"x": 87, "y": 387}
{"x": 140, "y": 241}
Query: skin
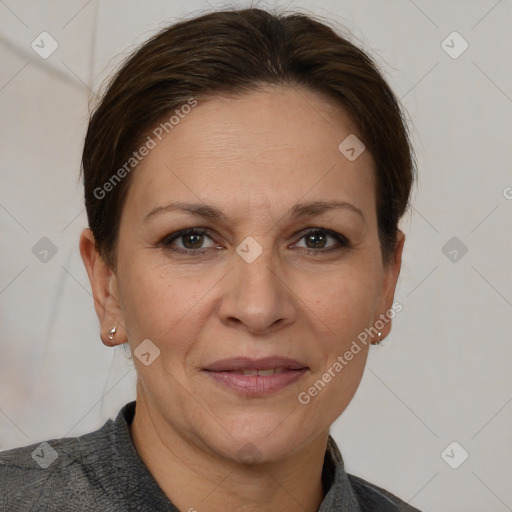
{"x": 253, "y": 157}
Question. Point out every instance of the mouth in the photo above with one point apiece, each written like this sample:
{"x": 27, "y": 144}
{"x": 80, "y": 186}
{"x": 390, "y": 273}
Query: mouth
{"x": 263, "y": 372}
{"x": 256, "y": 377}
{"x": 240, "y": 364}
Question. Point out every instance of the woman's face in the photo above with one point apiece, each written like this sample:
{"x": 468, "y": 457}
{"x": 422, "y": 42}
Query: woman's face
{"x": 256, "y": 280}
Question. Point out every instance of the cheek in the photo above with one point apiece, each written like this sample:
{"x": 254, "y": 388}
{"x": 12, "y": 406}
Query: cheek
{"x": 166, "y": 304}
{"x": 338, "y": 314}
{"x": 342, "y": 304}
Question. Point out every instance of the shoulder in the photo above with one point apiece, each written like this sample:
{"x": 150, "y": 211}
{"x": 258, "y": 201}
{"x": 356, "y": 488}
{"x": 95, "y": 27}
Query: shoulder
{"x": 34, "y": 467}
{"x": 58, "y": 474}
{"x": 373, "y": 498}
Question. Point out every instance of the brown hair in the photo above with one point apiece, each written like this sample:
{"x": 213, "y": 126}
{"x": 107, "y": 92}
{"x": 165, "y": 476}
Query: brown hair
{"x": 231, "y": 52}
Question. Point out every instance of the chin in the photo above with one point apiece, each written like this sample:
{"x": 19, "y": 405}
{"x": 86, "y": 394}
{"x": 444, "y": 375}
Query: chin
{"x": 260, "y": 445}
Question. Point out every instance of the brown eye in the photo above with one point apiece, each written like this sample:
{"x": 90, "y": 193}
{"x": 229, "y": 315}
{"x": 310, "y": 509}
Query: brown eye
{"x": 191, "y": 241}
{"x": 317, "y": 239}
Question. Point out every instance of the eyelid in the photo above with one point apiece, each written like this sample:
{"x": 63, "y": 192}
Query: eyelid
{"x": 312, "y": 230}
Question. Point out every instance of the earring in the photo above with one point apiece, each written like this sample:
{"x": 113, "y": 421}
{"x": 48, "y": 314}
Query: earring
{"x": 379, "y": 334}
{"x": 111, "y": 333}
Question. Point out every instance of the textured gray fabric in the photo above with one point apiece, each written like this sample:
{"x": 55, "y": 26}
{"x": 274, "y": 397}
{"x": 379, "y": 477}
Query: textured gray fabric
{"x": 102, "y": 471}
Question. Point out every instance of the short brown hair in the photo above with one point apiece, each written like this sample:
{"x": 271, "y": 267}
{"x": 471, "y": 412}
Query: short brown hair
{"x": 231, "y": 52}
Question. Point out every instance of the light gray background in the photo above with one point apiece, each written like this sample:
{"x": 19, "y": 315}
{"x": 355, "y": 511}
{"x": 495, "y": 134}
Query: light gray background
{"x": 444, "y": 373}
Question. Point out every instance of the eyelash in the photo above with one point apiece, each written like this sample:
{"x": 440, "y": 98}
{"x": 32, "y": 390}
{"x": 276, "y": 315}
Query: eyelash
{"x": 167, "y": 241}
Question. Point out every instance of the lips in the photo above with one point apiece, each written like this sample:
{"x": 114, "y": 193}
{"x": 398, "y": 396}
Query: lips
{"x": 263, "y": 366}
{"x": 256, "y": 377}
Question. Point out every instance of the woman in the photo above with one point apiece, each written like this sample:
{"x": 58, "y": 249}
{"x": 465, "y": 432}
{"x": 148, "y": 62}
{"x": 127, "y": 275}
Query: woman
{"x": 244, "y": 177}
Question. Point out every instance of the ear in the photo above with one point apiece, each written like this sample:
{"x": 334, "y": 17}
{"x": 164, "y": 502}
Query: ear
{"x": 104, "y": 290}
{"x": 390, "y": 277}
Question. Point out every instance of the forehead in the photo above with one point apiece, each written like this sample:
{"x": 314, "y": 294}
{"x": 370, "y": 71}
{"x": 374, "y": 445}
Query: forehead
{"x": 277, "y": 144}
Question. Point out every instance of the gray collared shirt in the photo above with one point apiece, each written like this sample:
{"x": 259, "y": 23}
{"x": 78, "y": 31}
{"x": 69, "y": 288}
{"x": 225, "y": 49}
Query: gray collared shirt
{"x": 103, "y": 471}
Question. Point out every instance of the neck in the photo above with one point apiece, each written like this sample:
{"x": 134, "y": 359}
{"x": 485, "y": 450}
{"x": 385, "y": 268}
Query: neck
{"x": 196, "y": 480}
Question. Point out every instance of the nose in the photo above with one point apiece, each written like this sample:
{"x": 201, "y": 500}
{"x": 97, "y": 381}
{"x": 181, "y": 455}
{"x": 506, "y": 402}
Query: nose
{"x": 257, "y": 294}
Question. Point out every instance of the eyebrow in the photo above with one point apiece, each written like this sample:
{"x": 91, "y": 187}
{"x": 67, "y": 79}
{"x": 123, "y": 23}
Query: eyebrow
{"x": 308, "y": 209}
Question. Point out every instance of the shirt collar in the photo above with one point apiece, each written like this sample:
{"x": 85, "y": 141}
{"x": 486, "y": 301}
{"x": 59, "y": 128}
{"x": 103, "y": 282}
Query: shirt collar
{"x": 340, "y": 495}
